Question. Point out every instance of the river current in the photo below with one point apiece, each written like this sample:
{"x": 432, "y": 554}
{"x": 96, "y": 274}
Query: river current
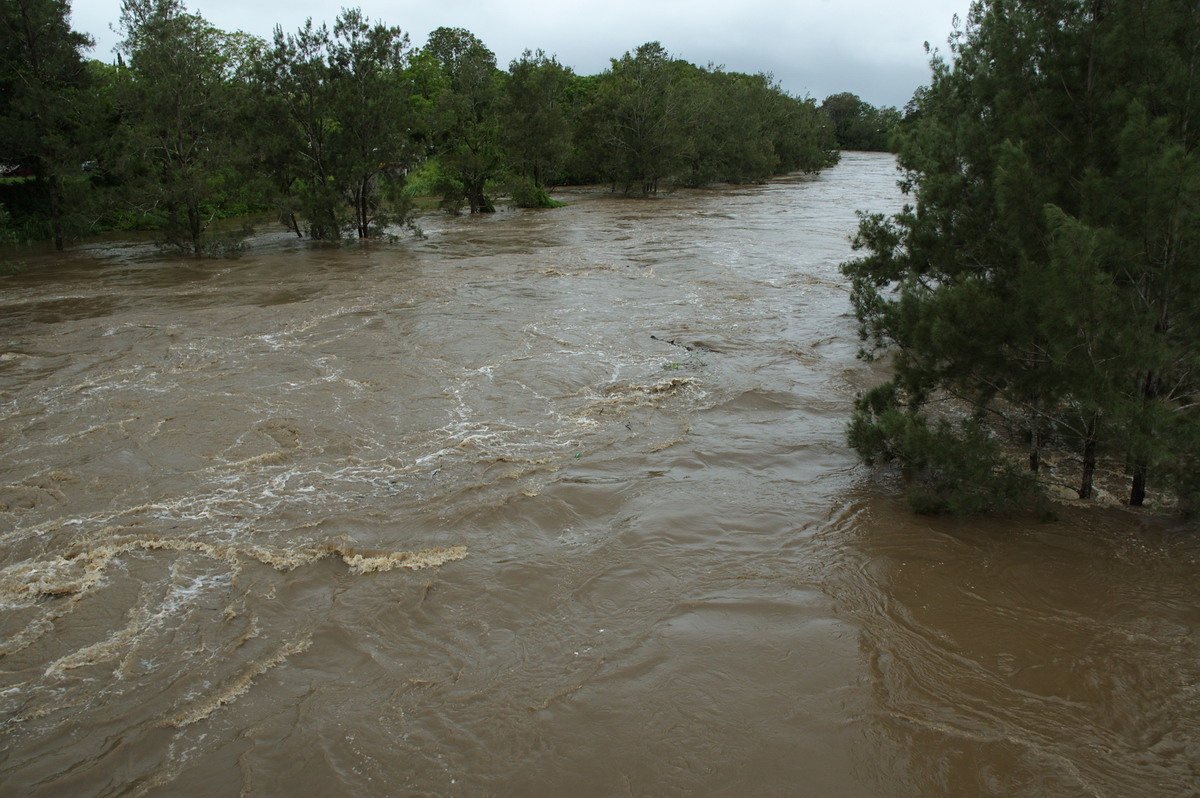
{"x": 544, "y": 503}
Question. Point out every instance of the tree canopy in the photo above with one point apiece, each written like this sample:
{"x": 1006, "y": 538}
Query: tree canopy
{"x": 43, "y": 84}
{"x": 860, "y": 125}
{"x": 180, "y": 100}
{"x": 337, "y": 127}
{"x": 1039, "y": 294}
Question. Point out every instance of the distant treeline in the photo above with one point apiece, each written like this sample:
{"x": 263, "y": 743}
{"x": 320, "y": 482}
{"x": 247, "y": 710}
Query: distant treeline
{"x": 340, "y": 127}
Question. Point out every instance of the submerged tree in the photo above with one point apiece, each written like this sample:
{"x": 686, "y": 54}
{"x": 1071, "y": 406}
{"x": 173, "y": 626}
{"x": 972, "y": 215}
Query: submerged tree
{"x": 44, "y": 86}
{"x": 193, "y": 124}
{"x": 182, "y": 110}
{"x": 652, "y": 120}
{"x": 860, "y": 125}
{"x": 536, "y": 125}
{"x": 1043, "y": 288}
{"x": 342, "y": 125}
{"x": 376, "y": 122}
{"x": 729, "y": 138}
{"x": 639, "y": 120}
{"x": 465, "y": 117}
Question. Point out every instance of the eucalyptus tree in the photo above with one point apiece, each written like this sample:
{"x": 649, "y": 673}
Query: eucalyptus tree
{"x": 375, "y": 116}
{"x": 44, "y": 90}
{"x": 183, "y": 112}
{"x": 465, "y": 116}
{"x": 343, "y": 125}
{"x": 296, "y": 128}
{"x": 1044, "y": 286}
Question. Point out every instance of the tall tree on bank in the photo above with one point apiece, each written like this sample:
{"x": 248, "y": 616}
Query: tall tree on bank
{"x": 803, "y": 137}
{"x": 1044, "y": 287}
{"x": 182, "y": 109}
{"x": 44, "y": 86}
{"x": 651, "y": 119}
{"x": 372, "y": 106}
{"x": 730, "y": 138}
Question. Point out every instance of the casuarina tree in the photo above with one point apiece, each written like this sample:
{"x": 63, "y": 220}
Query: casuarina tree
{"x": 1041, "y": 290}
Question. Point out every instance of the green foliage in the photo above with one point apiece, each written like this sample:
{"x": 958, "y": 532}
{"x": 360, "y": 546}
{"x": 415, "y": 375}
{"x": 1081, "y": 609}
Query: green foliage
{"x": 1046, "y": 279}
{"x": 423, "y": 180}
{"x": 535, "y": 113}
{"x": 527, "y": 194}
{"x": 179, "y": 101}
{"x": 465, "y": 117}
{"x": 8, "y": 235}
{"x": 955, "y": 467}
{"x": 651, "y": 119}
{"x": 860, "y": 125}
{"x": 340, "y": 129}
{"x": 337, "y": 125}
{"x": 731, "y": 138}
{"x": 642, "y": 113}
{"x": 44, "y": 84}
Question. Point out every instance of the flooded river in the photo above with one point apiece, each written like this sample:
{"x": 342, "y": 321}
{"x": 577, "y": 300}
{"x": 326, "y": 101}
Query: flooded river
{"x": 547, "y": 503}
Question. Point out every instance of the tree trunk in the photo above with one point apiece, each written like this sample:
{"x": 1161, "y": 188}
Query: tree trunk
{"x": 477, "y": 199}
{"x": 194, "y": 227}
{"x": 55, "y": 213}
{"x": 1137, "y": 490}
{"x": 1089, "y": 459}
{"x": 1035, "y": 444}
{"x": 361, "y": 209}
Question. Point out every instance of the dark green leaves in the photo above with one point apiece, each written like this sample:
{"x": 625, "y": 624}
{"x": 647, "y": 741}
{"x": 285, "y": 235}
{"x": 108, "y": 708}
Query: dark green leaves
{"x": 340, "y": 126}
{"x": 43, "y": 85}
{"x": 1044, "y": 284}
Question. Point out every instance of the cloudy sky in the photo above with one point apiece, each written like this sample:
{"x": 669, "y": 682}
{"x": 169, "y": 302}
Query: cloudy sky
{"x": 814, "y": 48}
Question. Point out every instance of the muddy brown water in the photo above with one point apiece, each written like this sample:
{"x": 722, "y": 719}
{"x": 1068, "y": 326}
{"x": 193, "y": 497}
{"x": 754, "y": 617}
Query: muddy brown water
{"x": 548, "y": 503}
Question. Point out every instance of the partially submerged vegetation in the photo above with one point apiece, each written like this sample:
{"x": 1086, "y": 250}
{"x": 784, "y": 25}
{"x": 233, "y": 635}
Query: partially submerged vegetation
{"x": 1041, "y": 294}
{"x": 338, "y": 128}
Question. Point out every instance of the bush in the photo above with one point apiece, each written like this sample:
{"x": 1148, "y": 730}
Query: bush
{"x": 527, "y": 194}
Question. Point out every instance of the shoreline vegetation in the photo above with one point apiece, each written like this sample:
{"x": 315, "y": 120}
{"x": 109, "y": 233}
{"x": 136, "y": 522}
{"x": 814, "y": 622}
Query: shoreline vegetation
{"x": 343, "y": 129}
{"x": 1039, "y": 297}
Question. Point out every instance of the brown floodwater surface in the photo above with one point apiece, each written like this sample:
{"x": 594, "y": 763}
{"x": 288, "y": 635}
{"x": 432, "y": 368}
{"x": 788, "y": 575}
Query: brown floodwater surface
{"x": 545, "y": 503}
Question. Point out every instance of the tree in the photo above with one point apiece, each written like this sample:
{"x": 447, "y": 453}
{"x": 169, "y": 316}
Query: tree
{"x": 342, "y": 125}
{"x": 860, "y": 125}
{"x": 1043, "y": 287}
{"x": 376, "y": 148}
{"x": 803, "y": 138}
{"x": 182, "y": 106}
{"x": 639, "y": 119}
{"x": 729, "y": 138}
{"x": 465, "y": 117}
{"x": 299, "y": 130}
{"x": 651, "y": 119}
{"x": 44, "y": 86}
{"x": 536, "y": 125}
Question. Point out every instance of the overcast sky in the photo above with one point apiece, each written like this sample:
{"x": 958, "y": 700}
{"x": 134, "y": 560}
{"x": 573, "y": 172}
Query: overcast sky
{"x": 814, "y": 48}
